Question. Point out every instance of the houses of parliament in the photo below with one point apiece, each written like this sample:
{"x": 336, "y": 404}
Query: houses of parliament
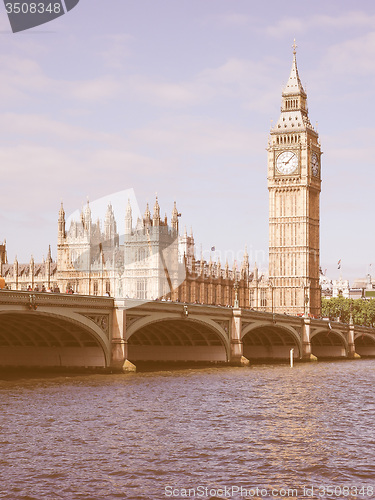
{"x": 148, "y": 258}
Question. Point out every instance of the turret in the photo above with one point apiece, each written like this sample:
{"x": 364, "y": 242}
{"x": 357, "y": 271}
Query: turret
{"x": 128, "y": 219}
{"x": 61, "y": 224}
{"x": 234, "y": 270}
{"x": 147, "y": 217}
{"x": 156, "y": 215}
{"x": 110, "y": 228}
{"x": 139, "y": 226}
{"x": 255, "y": 273}
{"x": 174, "y": 220}
{"x": 210, "y": 266}
{"x": 226, "y": 271}
{"x": 245, "y": 266}
{"x": 87, "y": 217}
{"x": 218, "y": 268}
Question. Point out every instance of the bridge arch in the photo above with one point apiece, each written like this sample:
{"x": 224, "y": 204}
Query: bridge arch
{"x": 365, "y": 344}
{"x": 51, "y": 339}
{"x": 173, "y": 339}
{"x": 329, "y": 343}
{"x": 270, "y": 341}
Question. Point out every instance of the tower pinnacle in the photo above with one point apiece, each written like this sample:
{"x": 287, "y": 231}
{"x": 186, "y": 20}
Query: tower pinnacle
{"x": 61, "y": 223}
{"x": 294, "y": 47}
{"x": 147, "y": 216}
{"x": 294, "y": 85}
{"x": 175, "y": 215}
{"x": 156, "y": 215}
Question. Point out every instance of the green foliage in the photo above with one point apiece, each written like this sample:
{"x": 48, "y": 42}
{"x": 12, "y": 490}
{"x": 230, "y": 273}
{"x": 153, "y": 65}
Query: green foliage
{"x": 338, "y": 309}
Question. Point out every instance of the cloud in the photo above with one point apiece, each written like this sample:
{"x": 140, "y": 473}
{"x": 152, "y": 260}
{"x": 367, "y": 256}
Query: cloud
{"x": 35, "y": 176}
{"x": 251, "y": 82}
{"x": 160, "y": 92}
{"x": 185, "y": 134}
{"x": 20, "y": 76}
{"x": 115, "y": 50}
{"x": 23, "y": 78}
{"x": 293, "y": 26}
{"x": 105, "y": 87}
{"x": 352, "y": 58}
{"x": 287, "y": 25}
{"x": 351, "y": 19}
{"x": 238, "y": 79}
{"x": 26, "y": 127}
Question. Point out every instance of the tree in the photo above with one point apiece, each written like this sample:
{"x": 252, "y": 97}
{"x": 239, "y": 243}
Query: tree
{"x": 339, "y": 309}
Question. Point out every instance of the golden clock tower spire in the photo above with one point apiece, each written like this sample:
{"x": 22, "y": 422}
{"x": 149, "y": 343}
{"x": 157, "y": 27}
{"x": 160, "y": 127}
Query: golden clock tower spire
{"x": 294, "y": 182}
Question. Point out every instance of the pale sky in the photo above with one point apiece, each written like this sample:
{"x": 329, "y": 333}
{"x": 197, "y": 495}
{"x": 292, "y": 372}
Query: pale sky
{"x": 177, "y": 97}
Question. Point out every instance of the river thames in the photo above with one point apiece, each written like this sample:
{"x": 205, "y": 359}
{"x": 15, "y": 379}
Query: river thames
{"x": 267, "y": 430}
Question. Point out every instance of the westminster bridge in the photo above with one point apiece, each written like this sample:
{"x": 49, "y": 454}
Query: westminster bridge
{"x": 60, "y": 330}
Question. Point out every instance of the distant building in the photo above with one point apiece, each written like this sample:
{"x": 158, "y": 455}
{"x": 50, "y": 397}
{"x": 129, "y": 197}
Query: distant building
{"x": 341, "y": 288}
{"x": 31, "y": 276}
{"x": 325, "y": 285}
{"x": 363, "y": 288}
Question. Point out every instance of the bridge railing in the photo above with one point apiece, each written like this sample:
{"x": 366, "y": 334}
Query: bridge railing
{"x": 45, "y": 298}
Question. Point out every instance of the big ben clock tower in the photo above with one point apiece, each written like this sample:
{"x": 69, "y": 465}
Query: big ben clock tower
{"x": 294, "y": 183}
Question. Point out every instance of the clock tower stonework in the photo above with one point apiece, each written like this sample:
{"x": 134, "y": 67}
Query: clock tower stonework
{"x": 294, "y": 184}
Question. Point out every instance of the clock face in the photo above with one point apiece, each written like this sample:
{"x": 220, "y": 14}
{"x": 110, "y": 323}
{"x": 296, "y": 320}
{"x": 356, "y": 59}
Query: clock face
{"x": 315, "y": 164}
{"x": 287, "y": 163}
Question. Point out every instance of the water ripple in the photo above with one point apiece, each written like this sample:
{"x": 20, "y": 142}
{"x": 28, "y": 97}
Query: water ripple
{"x": 129, "y": 436}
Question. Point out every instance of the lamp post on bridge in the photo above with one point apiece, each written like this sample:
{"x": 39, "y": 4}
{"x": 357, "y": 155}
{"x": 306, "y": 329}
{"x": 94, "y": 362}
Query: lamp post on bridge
{"x": 236, "y": 345}
{"x": 272, "y": 287}
{"x": 306, "y": 297}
